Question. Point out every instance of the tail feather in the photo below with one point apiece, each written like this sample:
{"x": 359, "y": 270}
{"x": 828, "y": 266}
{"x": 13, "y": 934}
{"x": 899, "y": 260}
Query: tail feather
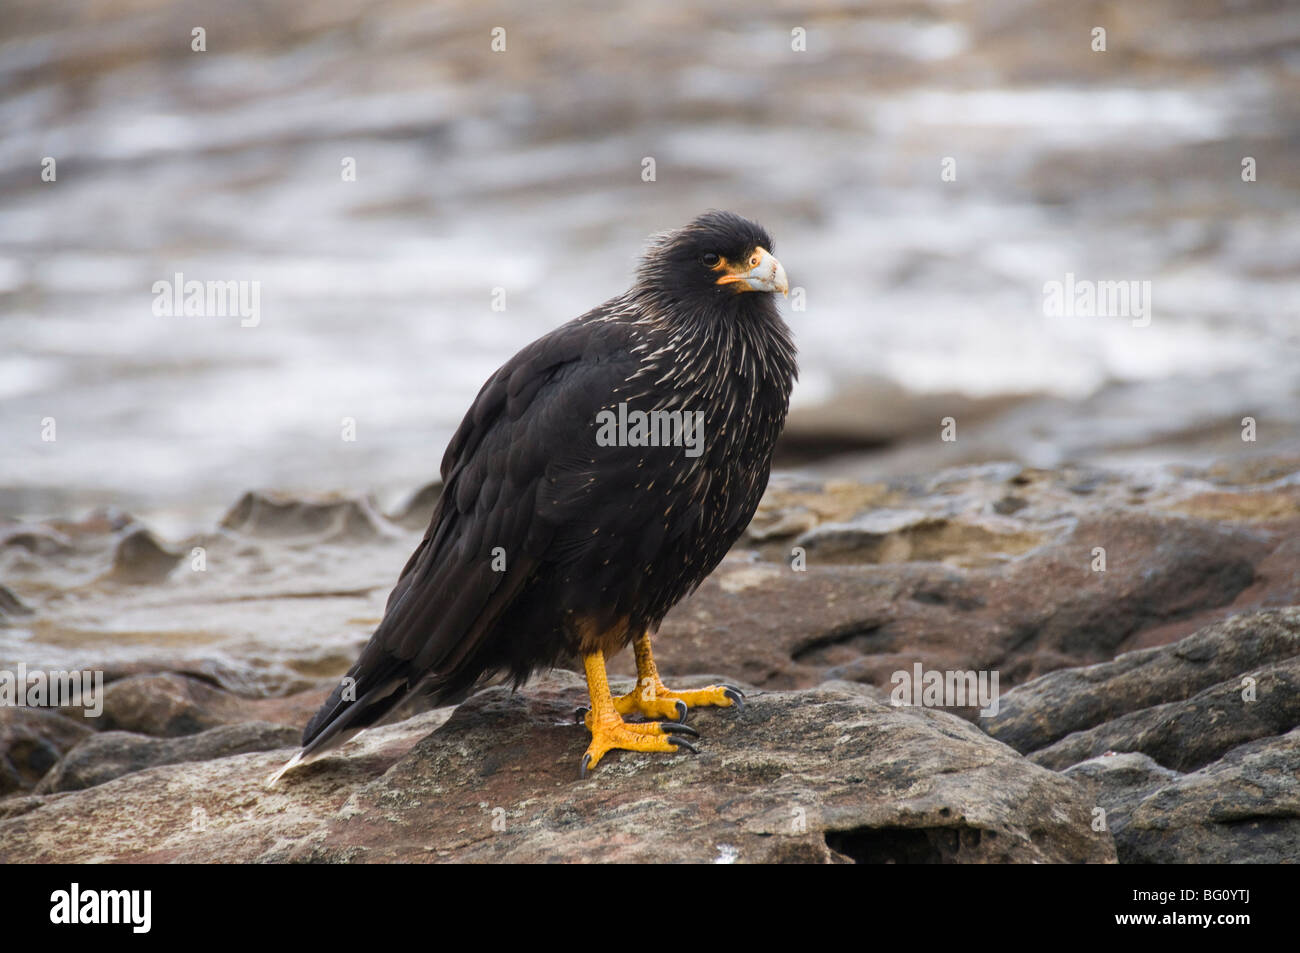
{"x": 340, "y": 720}
{"x": 277, "y": 775}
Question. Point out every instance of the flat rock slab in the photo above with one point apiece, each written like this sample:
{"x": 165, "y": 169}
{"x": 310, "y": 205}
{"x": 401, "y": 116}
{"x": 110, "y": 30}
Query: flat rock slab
{"x": 1243, "y": 808}
{"x": 1192, "y": 749}
{"x": 819, "y": 775}
{"x": 1091, "y": 699}
{"x": 111, "y": 754}
{"x": 1189, "y": 734}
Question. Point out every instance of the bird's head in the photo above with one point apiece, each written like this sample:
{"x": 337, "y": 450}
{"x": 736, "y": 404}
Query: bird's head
{"x": 716, "y": 259}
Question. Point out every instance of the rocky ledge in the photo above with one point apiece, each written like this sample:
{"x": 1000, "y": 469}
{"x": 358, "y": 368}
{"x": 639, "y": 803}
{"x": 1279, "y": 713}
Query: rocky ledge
{"x": 1143, "y": 627}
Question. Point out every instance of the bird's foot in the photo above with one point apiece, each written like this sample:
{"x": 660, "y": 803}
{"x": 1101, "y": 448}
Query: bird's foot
{"x": 611, "y": 732}
{"x": 653, "y": 699}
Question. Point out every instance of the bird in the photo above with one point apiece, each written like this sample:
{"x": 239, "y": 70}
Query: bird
{"x": 598, "y": 478}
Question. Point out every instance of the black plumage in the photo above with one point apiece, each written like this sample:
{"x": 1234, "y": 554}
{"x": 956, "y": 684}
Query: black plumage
{"x": 598, "y": 542}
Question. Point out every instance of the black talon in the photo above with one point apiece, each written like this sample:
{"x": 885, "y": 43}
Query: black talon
{"x": 582, "y": 768}
{"x": 679, "y": 744}
{"x": 737, "y": 699}
{"x": 682, "y": 711}
{"x": 733, "y": 688}
{"x": 672, "y": 728}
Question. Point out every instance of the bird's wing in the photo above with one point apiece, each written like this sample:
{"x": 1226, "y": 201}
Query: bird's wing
{"x": 510, "y": 475}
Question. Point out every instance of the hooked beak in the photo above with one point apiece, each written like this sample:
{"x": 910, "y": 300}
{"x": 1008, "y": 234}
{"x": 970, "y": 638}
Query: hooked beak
{"x": 759, "y": 272}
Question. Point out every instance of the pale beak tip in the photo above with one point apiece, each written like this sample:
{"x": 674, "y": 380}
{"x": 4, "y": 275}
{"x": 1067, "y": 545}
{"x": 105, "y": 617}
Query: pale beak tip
{"x": 779, "y": 281}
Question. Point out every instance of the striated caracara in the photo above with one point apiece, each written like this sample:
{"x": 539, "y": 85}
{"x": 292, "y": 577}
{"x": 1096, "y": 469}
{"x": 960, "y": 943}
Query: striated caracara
{"x": 600, "y": 475}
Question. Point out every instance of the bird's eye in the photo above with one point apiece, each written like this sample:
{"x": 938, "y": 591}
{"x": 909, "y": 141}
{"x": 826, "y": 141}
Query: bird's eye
{"x": 709, "y": 259}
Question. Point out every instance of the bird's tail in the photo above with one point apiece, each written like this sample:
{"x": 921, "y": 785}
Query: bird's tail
{"x": 345, "y": 715}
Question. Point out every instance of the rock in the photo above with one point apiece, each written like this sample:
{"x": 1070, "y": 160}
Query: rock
{"x": 165, "y": 705}
{"x": 111, "y": 754}
{"x": 872, "y": 412}
{"x": 792, "y": 506}
{"x": 329, "y": 518}
{"x": 1209, "y": 725}
{"x": 822, "y": 775}
{"x": 295, "y": 709}
{"x": 895, "y": 536}
{"x": 139, "y": 559}
{"x": 102, "y": 521}
{"x": 989, "y": 568}
{"x": 849, "y": 617}
{"x": 1244, "y": 471}
{"x": 1243, "y": 808}
{"x": 13, "y": 806}
{"x": 171, "y": 705}
{"x": 1008, "y": 505}
{"x": 1120, "y": 783}
{"x": 417, "y": 511}
{"x": 1185, "y": 735}
{"x": 1040, "y": 712}
{"x": 35, "y": 539}
{"x": 938, "y": 575}
{"x": 11, "y": 606}
{"x": 32, "y": 740}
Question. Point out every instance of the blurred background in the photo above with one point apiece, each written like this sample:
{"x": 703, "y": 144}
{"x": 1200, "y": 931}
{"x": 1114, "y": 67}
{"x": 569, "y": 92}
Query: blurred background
{"x": 522, "y": 169}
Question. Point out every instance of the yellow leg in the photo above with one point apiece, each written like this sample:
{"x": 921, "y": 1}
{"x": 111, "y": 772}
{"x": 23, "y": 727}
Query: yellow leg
{"x": 609, "y": 731}
{"x": 653, "y": 699}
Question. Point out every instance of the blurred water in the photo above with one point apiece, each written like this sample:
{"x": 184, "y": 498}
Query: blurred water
{"x": 522, "y": 170}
